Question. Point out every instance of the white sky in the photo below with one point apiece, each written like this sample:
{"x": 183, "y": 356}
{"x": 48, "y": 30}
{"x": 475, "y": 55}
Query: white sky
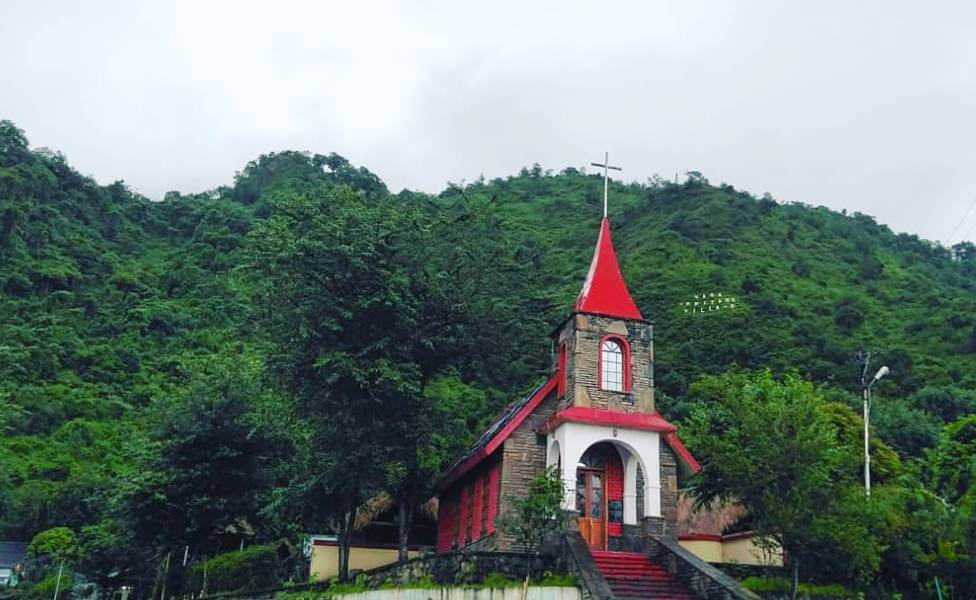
{"x": 868, "y": 106}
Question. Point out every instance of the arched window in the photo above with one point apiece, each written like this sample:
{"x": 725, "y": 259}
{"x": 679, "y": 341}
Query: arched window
{"x": 614, "y": 364}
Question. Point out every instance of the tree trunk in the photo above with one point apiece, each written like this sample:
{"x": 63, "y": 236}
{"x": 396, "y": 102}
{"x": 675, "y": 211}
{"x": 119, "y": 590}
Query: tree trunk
{"x": 345, "y": 533}
{"x": 795, "y": 583}
{"x": 404, "y": 522}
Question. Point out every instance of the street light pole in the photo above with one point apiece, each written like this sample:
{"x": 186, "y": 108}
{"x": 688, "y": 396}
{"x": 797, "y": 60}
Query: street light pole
{"x": 867, "y": 420}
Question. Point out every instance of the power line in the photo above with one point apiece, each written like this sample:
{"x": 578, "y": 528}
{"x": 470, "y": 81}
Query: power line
{"x": 960, "y": 223}
{"x": 971, "y": 229}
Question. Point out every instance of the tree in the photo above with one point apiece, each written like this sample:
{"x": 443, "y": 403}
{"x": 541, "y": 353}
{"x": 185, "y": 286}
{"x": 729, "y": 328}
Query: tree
{"x": 343, "y": 312}
{"x": 539, "y": 514}
{"x": 364, "y": 304}
{"x": 57, "y": 543}
{"x": 203, "y": 474}
{"x": 772, "y": 447}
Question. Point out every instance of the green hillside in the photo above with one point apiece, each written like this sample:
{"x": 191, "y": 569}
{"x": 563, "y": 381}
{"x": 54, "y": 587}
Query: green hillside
{"x": 111, "y": 305}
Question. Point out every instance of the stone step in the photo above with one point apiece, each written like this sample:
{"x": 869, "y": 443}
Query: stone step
{"x": 634, "y": 575}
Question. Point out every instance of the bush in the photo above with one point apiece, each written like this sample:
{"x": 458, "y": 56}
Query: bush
{"x": 254, "y": 568}
{"x": 782, "y": 585}
{"x": 498, "y": 580}
{"x": 57, "y": 543}
{"x": 44, "y": 589}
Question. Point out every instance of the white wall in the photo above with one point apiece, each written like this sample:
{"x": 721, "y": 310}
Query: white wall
{"x": 636, "y": 446}
{"x": 512, "y": 593}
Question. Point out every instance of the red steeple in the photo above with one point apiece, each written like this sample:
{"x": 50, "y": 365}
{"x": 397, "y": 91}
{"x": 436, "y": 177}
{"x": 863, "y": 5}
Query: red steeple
{"x": 605, "y": 291}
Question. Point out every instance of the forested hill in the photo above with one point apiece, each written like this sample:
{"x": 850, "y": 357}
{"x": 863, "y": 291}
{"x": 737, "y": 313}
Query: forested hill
{"x": 111, "y": 303}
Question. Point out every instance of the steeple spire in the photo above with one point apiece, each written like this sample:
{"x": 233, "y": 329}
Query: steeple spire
{"x": 605, "y": 291}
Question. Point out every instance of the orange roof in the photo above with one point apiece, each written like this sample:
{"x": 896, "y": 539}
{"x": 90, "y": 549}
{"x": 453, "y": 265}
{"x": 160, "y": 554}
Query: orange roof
{"x": 605, "y": 291}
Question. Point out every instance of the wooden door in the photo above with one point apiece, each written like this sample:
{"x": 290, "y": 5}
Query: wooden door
{"x": 591, "y": 502}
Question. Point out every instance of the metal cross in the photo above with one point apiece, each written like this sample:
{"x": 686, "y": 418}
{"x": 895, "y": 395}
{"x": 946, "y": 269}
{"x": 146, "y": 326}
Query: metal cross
{"x": 606, "y": 178}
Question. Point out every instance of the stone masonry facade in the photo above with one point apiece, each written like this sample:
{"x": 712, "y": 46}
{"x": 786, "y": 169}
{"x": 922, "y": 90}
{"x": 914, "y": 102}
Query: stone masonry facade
{"x": 523, "y": 459}
{"x": 582, "y": 335}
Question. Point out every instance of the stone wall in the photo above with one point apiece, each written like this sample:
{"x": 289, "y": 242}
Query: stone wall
{"x": 523, "y": 459}
{"x": 582, "y": 334}
{"x": 703, "y": 579}
{"x": 466, "y": 568}
{"x": 669, "y": 491}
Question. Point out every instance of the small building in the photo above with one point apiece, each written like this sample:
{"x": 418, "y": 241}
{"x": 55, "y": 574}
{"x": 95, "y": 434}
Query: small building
{"x": 12, "y": 556}
{"x": 373, "y": 543}
{"x": 716, "y": 535}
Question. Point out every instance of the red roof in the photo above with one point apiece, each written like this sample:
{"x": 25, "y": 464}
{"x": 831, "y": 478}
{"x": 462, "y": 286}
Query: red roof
{"x": 595, "y": 416}
{"x": 497, "y": 433}
{"x": 652, "y": 421}
{"x": 605, "y": 291}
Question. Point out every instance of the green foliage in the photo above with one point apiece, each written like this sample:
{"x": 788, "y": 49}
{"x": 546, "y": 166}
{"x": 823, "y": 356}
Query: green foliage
{"x": 498, "y": 580}
{"x": 557, "y": 580}
{"x": 57, "y": 543}
{"x": 537, "y": 515}
{"x": 788, "y": 457}
{"x": 204, "y": 473}
{"x": 118, "y": 313}
{"x": 254, "y": 568}
{"x": 43, "y": 589}
{"x": 782, "y": 584}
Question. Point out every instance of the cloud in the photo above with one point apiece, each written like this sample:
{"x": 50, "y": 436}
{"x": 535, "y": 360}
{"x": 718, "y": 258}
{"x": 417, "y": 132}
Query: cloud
{"x": 864, "y": 106}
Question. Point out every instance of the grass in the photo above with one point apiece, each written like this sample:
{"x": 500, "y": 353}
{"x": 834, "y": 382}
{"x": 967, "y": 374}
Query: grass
{"x": 493, "y": 580}
{"x": 782, "y": 584}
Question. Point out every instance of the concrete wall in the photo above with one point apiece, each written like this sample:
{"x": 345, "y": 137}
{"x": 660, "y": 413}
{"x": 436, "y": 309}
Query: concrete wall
{"x": 325, "y": 559}
{"x": 743, "y": 550}
{"x": 740, "y": 550}
{"x": 513, "y": 593}
{"x": 707, "y": 550}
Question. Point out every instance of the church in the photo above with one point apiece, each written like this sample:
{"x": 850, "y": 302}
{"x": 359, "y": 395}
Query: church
{"x": 593, "y": 419}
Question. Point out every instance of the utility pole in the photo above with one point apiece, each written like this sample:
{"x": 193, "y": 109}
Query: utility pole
{"x": 57, "y": 586}
{"x": 866, "y": 392}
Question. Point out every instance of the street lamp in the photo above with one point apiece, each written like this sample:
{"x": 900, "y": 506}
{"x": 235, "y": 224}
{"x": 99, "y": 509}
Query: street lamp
{"x": 866, "y": 386}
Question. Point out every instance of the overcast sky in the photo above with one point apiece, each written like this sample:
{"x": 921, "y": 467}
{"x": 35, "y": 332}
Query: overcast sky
{"x": 858, "y": 105}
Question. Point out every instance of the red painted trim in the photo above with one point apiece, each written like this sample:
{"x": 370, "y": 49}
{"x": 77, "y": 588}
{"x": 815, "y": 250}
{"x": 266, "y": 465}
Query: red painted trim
{"x": 500, "y": 437}
{"x": 368, "y": 545}
{"x": 477, "y": 516}
{"x": 521, "y": 416}
{"x": 494, "y": 490}
{"x": 595, "y": 416}
{"x": 683, "y": 453}
{"x": 625, "y": 350}
{"x": 700, "y": 537}
{"x": 714, "y": 537}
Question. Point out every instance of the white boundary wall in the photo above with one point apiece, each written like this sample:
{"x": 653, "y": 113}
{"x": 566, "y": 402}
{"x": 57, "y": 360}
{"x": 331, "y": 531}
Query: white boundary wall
{"x": 510, "y": 593}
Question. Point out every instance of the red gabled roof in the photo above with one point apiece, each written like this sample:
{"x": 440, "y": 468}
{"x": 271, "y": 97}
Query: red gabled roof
{"x": 595, "y": 416}
{"x": 605, "y": 291}
{"x": 497, "y": 433}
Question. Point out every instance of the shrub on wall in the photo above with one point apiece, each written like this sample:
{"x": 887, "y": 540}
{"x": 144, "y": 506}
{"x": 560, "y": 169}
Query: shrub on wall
{"x": 254, "y": 568}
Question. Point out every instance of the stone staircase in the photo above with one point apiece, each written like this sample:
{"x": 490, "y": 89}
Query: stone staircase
{"x": 633, "y": 575}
